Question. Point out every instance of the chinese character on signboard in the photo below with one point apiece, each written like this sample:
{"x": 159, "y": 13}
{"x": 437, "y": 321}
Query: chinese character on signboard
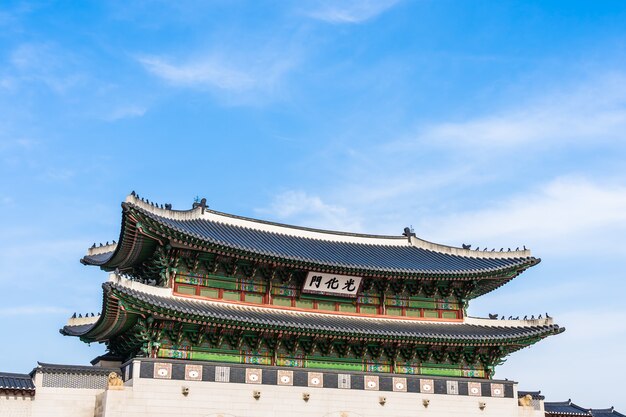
{"x": 331, "y": 284}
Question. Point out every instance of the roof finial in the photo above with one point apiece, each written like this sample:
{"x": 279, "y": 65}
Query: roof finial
{"x": 133, "y": 193}
{"x": 408, "y": 232}
{"x": 200, "y": 203}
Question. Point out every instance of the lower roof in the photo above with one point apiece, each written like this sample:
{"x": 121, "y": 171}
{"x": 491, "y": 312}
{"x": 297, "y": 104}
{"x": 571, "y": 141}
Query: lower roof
{"x": 161, "y": 302}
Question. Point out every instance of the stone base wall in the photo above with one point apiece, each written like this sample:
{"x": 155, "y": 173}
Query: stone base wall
{"x": 153, "y": 397}
{"x": 175, "y": 388}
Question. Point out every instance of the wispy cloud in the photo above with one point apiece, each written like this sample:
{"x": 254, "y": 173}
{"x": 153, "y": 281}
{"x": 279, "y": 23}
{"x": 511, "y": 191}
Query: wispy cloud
{"x": 210, "y": 72}
{"x": 125, "y": 112}
{"x": 235, "y": 78}
{"x": 43, "y": 63}
{"x": 594, "y": 112}
{"x": 565, "y": 214}
{"x": 350, "y": 11}
{"x": 310, "y": 210}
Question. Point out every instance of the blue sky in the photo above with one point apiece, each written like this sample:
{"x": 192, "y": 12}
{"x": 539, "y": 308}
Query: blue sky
{"x": 499, "y": 124}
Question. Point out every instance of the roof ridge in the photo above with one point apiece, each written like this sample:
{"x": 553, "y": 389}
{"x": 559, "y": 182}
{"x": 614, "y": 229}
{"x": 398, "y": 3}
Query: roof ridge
{"x": 201, "y": 212}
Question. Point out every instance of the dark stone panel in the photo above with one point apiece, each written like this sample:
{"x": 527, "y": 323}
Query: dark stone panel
{"x": 208, "y": 373}
{"x": 413, "y": 385}
{"x": 385, "y": 383}
{"x": 508, "y": 390}
{"x": 178, "y": 371}
{"x": 146, "y": 370}
{"x": 300, "y": 379}
{"x": 238, "y": 375}
{"x": 440, "y": 386}
{"x": 356, "y": 382}
{"x": 463, "y": 388}
{"x": 270, "y": 376}
{"x": 486, "y": 389}
{"x": 331, "y": 381}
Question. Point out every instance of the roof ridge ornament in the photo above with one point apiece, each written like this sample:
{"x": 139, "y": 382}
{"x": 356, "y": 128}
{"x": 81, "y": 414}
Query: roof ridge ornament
{"x": 200, "y": 203}
{"x": 408, "y": 232}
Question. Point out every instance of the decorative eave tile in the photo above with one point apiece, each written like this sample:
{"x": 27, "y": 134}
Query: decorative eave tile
{"x": 474, "y": 389}
{"x": 427, "y": 386}
{"x": 193, "y": 372}
{"x": 371, "y": 382}
{"x": 162, "y": 370}
{"x": 399, "y": 384}
{"x": 316, "y": 379}
{"x": 253, "y": 376}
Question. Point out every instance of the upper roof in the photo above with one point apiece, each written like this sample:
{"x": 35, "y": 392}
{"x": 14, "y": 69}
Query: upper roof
{"x": 200, "y": 228}
{"x": 16, "y": 384}
{"x": 141, "y": 297}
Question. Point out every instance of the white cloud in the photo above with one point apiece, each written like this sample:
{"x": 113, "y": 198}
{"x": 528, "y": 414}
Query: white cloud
{"x": 126, "y": 112}
{"x": 238, "y": 79}
{"x": 303, "y": 209}
{"x": 44, "y": 63}
{"x": 563, "y": 215}
{"x": 350, "y": 11}
{"x": 593, "y": 112}
{"x": 210, "y": 72}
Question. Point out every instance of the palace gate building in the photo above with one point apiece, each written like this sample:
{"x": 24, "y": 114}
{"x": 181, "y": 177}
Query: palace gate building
{"x": 210, "y": 314}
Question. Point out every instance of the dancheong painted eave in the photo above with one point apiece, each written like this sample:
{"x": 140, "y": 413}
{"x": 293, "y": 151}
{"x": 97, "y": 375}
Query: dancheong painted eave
{"x": 125, "y": 301}
{"x": 145, "y": 225}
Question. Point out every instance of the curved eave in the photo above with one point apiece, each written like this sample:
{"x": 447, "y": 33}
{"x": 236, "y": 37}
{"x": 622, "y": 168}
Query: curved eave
{"x": 124, "y": 305}
{"x": 113, "y": 320}
{"x": 132, "y": 248}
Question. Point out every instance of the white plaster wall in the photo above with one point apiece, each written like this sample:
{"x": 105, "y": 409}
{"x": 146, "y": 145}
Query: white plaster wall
{"x": 64, "y": 402}
{"x": 153, "y": 397}
{"x": 15, "y": 406}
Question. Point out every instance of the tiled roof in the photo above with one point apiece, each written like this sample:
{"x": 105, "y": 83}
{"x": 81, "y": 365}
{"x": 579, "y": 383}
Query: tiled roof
{"x": 565, "y": 408}
{"x": 16, "y": 384}
{"x": 605, "y": 412}
{"x": 321, "y": 323}
{"x": 536, "y": 395}
{"x": 73, "y": 369}
{"x": 383, "y": 254}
